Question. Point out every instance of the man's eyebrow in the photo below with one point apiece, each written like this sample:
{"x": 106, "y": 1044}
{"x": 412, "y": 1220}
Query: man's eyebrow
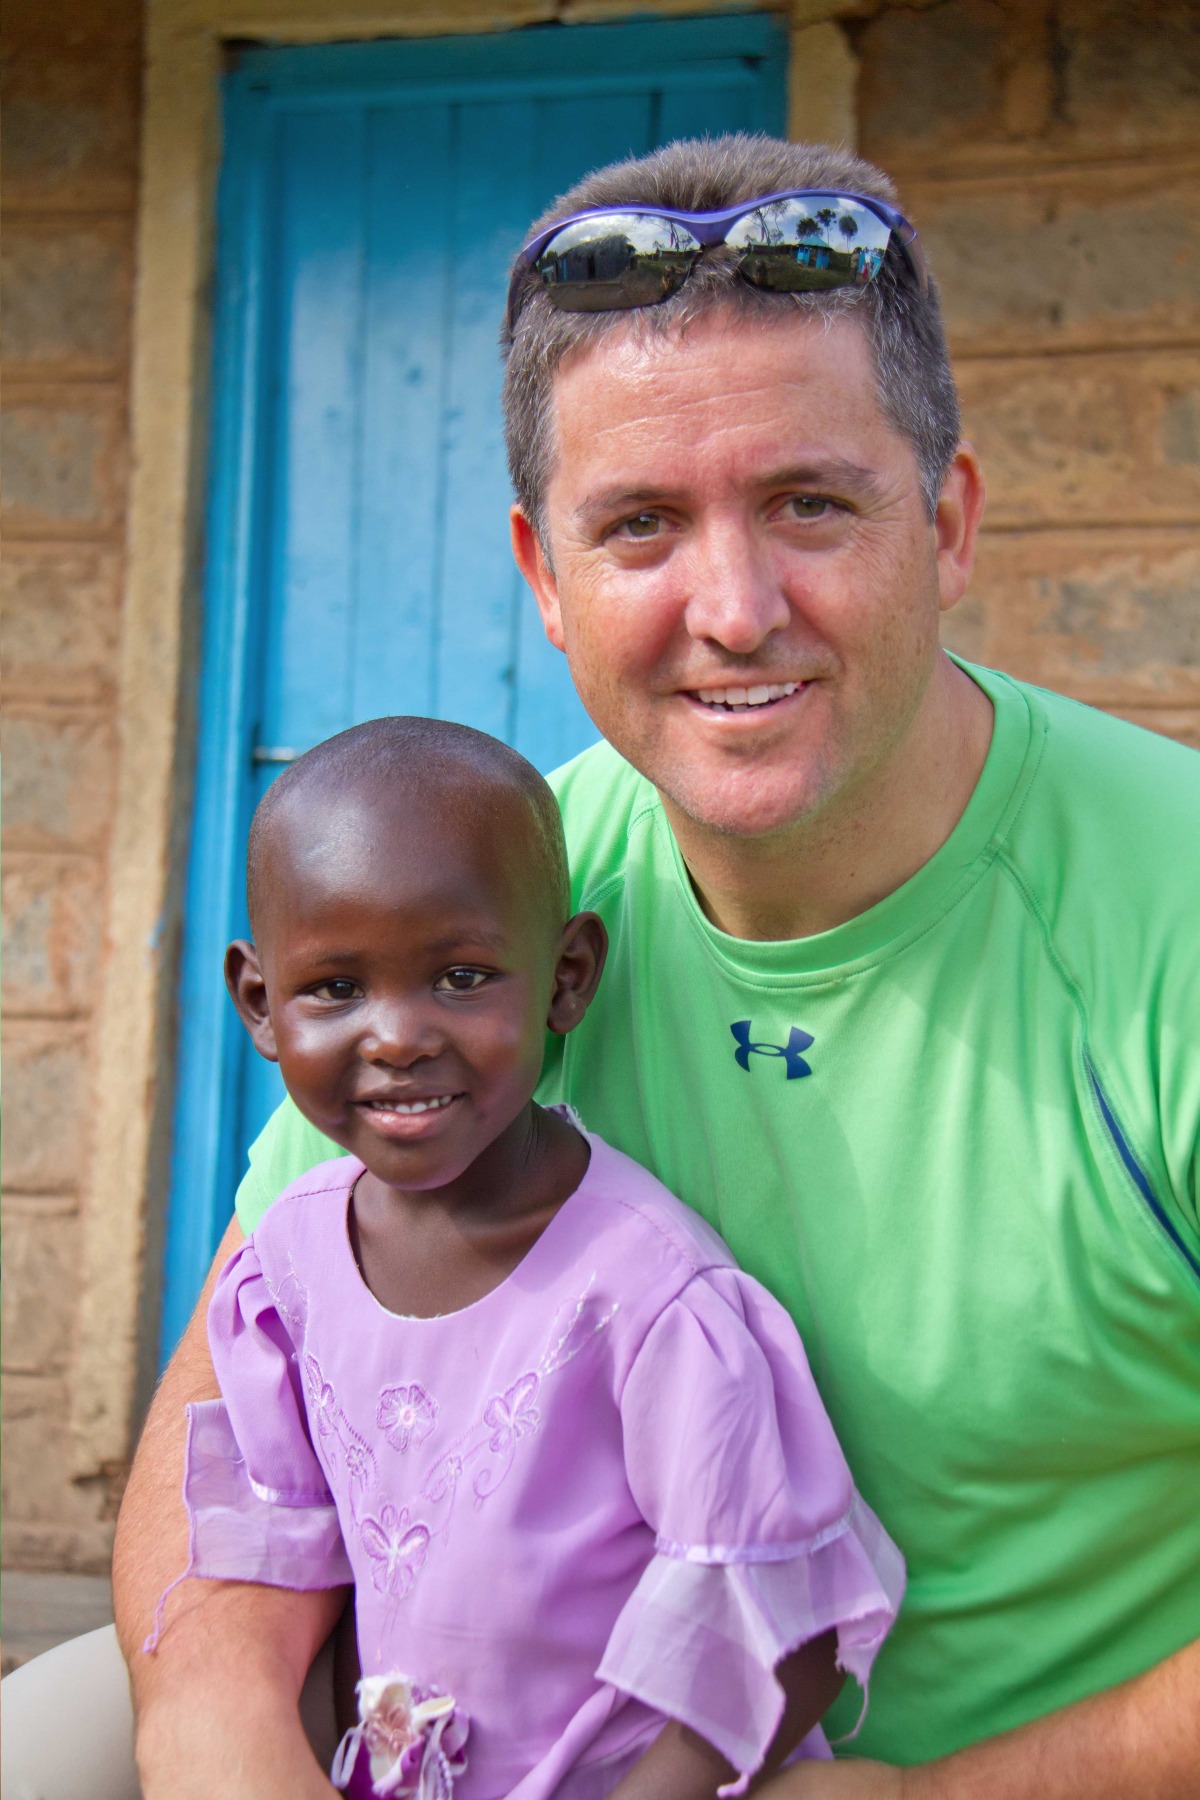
{"x": 601, "y": 501}
{"x": 831, "y": 474}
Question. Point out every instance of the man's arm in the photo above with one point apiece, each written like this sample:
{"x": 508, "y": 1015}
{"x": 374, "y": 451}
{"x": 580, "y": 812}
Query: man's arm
{"x": 217, "y": 1704}
{"x": 1141, "y": 1738}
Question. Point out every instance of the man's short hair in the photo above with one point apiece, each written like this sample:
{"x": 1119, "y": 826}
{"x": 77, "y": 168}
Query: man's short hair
{"x": 903, "y": 324}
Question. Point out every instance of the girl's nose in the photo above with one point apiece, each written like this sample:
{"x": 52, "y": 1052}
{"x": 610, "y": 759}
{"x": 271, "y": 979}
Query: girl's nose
{"x": 400, "y": 1034}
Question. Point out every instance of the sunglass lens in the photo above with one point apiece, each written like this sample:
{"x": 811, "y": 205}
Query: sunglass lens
{"x": 615, "y": 261}
{"x": 800, "y": 246}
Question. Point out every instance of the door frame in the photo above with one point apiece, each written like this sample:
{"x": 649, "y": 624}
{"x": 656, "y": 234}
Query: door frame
{"x": 124, "y": 1215}
{"x": 206, "y": 1163}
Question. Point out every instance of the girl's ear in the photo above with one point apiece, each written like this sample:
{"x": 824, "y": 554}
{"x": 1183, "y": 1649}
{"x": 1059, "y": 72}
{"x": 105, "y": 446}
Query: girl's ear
{"x": 248, "y": 991}
{"x": 580, "y": 965}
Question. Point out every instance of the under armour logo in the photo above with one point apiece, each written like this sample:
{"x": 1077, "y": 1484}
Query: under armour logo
{"x": 797, "y": 1041}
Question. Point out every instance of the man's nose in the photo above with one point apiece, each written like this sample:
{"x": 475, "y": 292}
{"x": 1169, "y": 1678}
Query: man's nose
{"x": 736, "y": 599}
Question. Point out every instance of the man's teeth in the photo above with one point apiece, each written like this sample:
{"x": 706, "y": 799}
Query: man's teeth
{"x": 739, "y": 699}
{"x": 413, "y": 1106}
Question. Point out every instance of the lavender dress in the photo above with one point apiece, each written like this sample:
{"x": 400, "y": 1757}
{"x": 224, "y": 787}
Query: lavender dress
{"x": 604, "y": 1493}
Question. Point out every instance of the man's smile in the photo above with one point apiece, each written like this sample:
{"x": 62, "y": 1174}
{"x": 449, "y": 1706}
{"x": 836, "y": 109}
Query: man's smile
{"x": 759, "y": 697}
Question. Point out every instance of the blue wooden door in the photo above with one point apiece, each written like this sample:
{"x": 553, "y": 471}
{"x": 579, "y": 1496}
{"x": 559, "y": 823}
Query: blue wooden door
{"x": 372, "y": 197}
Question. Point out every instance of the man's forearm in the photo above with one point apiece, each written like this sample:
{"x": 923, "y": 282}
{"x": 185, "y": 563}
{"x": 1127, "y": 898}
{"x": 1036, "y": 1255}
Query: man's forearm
{"x": 217, "y": 1704}
{"x": 1138, "y": 1741}
{"x": 1142, "y": 1738}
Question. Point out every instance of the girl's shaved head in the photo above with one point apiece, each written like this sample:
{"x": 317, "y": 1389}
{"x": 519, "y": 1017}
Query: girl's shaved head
{"x": 463, "y": 775}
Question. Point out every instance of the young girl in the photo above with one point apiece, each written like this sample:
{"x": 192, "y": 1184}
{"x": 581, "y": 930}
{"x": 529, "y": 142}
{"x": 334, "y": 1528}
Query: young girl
{"x": 602, "y": 1538}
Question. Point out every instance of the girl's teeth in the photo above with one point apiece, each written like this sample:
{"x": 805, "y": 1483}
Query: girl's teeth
{"x": 739, "y": 699}
{"x": 414, "y": 1106}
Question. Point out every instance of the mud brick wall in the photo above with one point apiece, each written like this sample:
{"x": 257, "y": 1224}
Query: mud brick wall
{"x": 1050, "y": 156}
{"x": 1049, "y": 151}
{"x": 70, "y": 129}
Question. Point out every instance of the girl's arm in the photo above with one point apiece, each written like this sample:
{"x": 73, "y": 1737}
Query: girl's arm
{"x": 681, "y": 1765}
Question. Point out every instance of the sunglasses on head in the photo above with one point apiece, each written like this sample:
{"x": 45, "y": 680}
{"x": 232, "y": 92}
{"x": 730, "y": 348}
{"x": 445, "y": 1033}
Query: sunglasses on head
{"x": 802, "y": 241}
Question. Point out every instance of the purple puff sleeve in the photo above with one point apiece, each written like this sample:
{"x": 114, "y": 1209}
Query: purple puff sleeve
{"x": 762, "y": 1541}
{"x": 258, "y": 1502}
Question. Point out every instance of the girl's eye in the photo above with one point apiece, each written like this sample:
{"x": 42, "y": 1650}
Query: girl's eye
{"x": 460, "y": 981}
{"x": 338, "y": 989}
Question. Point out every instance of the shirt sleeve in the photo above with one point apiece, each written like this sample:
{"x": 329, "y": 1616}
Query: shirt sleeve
{"x": 762, "y": 1542}
{"x": 286, "y": 1148}
{"x": 258, "y": 1502}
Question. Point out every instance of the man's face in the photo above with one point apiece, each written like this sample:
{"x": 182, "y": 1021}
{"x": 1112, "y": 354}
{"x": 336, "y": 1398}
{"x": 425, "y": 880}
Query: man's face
{"x": 745, "y": 579}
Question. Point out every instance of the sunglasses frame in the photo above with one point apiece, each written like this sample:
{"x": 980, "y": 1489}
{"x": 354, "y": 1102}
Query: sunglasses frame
{"x": 709, "y": 228}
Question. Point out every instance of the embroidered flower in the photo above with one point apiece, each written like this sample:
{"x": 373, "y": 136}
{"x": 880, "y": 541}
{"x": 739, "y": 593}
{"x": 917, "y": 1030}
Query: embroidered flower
{"x": 322, "y": 1400}
{"x": 397, "y": 1549}
{"x": 290, "y": 1300}
{"x": 512, "y": 1415}
{"x": 444, "y": 1476}
{"x": 360, "y": 1464}
{"x": 415, "y": 1738}
{"x": 406, "y": 1415}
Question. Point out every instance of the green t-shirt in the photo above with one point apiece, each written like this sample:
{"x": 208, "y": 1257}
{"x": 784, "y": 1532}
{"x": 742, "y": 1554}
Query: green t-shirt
{"x": 957, "y": 1137}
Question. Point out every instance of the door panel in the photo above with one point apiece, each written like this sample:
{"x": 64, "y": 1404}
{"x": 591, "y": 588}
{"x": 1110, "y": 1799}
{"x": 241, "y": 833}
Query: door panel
{"x": 372, "y": 197}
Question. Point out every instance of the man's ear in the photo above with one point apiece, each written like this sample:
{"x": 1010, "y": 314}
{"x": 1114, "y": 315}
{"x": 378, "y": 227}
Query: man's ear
{"x": 956, "y": 526}
{"x": 531, "y": 560}
{"x": 248, "y": 991}
{"x": 580, "y": 965}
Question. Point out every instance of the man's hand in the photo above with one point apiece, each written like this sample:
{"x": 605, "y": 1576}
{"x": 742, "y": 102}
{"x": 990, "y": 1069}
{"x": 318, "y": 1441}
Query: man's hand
{"x": 217, "y": 1704}
{"x": 1140, "y": 1739}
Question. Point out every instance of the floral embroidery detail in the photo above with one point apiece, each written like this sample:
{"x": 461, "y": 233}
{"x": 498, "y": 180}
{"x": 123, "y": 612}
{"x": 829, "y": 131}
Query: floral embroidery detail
{"x": 337, "y": 1433}
{"x": 444, "y": 1476}
{"x": 586, "y": 1321}
{"x": 406, "y": 1415}
{"x": 491, "y": 1445}
{"x": 360, "y": 1464}
{"x": 290, "y": 1300}
{"x": 512, "y": 1415}
{"x": 415, "y": 1737}
{"x": 322, "y": 1401}
{"x": 397, "y": 1549}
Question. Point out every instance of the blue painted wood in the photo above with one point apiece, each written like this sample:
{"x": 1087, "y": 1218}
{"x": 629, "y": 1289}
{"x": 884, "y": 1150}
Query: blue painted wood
{"x": 371, "y": 199}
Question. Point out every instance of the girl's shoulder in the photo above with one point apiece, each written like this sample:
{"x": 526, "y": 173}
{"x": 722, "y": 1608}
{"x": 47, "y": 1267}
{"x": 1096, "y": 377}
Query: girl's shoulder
{"x": 309, "y": 1216}
{"x": 642, "y": 1226}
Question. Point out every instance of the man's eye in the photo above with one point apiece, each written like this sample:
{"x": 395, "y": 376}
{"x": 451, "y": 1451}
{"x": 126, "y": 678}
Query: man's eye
{"x": 641, "y": 525}
{"x": 339, "y": 989}
{"x": 460, "y": 981}
{"x": 808, "y": 506}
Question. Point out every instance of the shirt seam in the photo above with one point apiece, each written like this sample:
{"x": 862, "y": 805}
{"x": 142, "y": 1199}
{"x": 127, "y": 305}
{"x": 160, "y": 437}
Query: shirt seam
{"x": 636, "y": 1353}
{"x": 820, "y": 978}
{"x": 288, "y": 1197}
{"x": 618, "y": 879}
{"x": 1092, "y": 1065}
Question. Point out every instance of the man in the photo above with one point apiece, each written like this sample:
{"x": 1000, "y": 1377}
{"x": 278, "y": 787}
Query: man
{"x": 901, "y": 977}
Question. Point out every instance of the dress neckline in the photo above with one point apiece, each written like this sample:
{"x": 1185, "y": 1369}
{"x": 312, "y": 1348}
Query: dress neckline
{"x": 552, "y": 1229}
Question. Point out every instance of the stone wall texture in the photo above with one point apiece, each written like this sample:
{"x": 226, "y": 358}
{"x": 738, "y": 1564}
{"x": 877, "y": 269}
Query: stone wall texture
{"x": 1048, "y": 151}
{"x": 70, "y": 133}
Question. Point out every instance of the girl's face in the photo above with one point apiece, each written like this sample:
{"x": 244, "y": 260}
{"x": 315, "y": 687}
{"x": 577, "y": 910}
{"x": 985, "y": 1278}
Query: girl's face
{"x": 406, "y": 972}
